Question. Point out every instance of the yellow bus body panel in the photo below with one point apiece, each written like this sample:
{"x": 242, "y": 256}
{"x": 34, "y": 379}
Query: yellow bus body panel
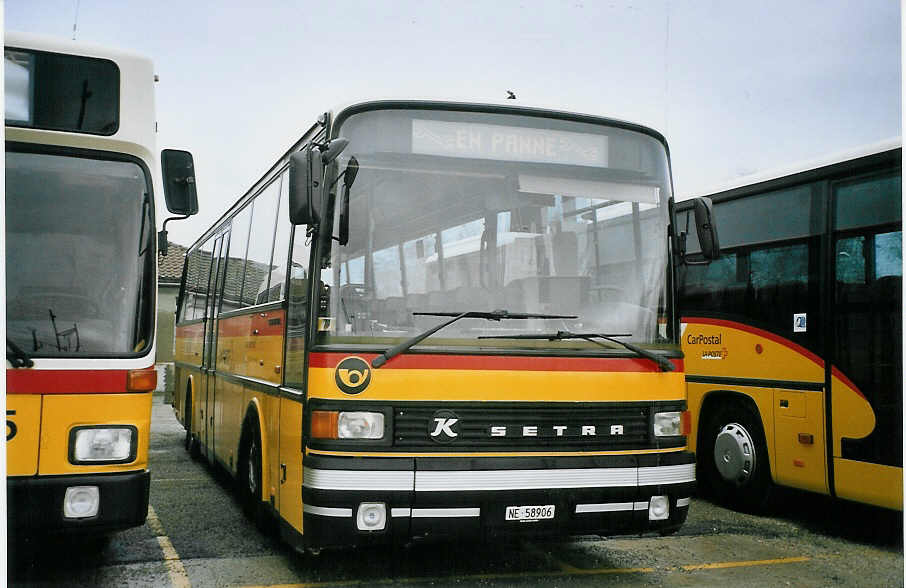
{"x": 853, "y": 415}
{"x": 798, "y": 462}
{"x": 64, "y": 411}
{"x": 746, "y": 353}
{"x": 23, "y": 431}
{"x": 869, "y": 482}
{"x": 290, "y": 496}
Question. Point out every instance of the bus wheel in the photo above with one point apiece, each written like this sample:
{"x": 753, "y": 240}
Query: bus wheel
{"x": 191, "y": 443}
{"x": 734, "y": 458}
{"x": 250, "y": 467}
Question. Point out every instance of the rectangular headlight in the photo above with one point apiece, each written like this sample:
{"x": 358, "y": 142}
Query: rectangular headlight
{"x": 102, "y": 444}
{"x": 360, "y": 425}
{"x": 668, "y": 424}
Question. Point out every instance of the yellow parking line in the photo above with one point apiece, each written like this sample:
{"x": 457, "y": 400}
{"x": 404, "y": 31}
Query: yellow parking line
{"x": 745, "y": 564}
{"x": 177, "y": 572}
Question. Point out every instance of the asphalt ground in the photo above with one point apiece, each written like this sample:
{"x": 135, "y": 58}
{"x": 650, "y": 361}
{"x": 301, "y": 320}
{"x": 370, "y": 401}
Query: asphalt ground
{"x": 196, "y": 535}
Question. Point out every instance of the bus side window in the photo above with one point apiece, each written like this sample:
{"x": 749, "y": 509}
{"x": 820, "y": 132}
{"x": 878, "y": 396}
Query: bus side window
{"x": 259, "y": 266}
{"x": 235, "y": 269}
{"x": 277, "y": 289}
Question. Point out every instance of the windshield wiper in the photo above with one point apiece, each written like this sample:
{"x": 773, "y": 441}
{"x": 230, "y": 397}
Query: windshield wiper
{"x": 494, "y": 315}
{"x": 665, "y": 364}
{"x": 16, "y": 356}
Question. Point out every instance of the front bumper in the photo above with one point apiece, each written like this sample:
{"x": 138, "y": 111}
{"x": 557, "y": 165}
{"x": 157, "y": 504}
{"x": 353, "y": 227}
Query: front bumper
{"x": 35, "y": 504}
{"x": 444, "y": 497}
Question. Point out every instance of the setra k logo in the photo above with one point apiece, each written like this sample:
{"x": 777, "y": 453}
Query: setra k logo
{"x": 444, "y": 423}
{"x": 352, "y": 375}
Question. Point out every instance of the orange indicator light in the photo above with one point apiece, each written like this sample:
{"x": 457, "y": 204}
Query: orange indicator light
{"x": 686, "y": 423}
{"x": 141, "y": 380}
{"x": 324, "y": 424}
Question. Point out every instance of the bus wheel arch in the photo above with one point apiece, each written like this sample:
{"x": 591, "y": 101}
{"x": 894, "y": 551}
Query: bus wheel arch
{"x": 733, "y": 460}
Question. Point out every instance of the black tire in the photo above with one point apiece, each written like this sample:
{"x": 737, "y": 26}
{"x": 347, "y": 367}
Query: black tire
{"x": 249, "y": 470}
{"x": 735, "y": 469}
{"x": 187, "y": 416}
{"x": 191, "y": 443}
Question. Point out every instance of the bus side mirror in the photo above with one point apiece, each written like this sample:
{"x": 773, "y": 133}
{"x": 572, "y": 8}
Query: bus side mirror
{"x": 305, "y": 172}
{"x": 179, "y": 182}
{"x": 705, "y": 228}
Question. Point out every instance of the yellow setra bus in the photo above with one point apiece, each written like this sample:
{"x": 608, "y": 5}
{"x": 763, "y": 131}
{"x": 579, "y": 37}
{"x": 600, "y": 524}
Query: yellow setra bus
{"x": 431, "y": 319}
{"x": 793, "y": 337}
{"x": 82, "y": 176}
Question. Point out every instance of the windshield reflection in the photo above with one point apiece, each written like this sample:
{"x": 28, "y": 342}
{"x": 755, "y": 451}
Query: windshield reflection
{"x": 79, "y": 278}
{"x": 443, "y": 229}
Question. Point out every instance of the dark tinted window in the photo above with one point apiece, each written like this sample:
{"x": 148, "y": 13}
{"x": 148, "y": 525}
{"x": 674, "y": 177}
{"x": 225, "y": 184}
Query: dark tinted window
{"x": 61, "y": 92}
{"x": 875, "y": 201}
{"x": 868, "y": 315}
{"x": 768, "y": 286}
{"x": 790, "y": 213}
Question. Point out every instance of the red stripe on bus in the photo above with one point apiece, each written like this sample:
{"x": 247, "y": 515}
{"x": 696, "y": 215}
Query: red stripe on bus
{"x": 485, "y": 362}
{"x": 776, "y": 339}
{"x": 759, "y": 332}
{"x": 27, "y": 381}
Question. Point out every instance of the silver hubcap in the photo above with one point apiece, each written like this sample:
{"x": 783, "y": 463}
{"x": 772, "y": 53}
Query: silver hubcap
{"x": 734, "y": 454}
{"x": 253, "y": 475}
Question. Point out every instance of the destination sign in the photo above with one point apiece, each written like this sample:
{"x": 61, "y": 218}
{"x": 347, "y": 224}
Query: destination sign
{"x": 482, "y": 141}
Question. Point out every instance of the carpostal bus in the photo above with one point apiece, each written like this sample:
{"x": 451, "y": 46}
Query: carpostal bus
{"x": 81, "y": 179}
{"x": 433, "y": 319}
{"x": 793, "y": 337}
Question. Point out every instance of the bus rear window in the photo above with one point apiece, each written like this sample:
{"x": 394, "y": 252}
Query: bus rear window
{"x": 61, "y": 92}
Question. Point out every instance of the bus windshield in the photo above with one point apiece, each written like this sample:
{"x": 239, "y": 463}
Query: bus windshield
{"x": 79, "y": 263}
{"x": 455, "y": 211}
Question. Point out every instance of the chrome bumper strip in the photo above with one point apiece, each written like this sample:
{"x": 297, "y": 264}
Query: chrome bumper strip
{"x": 325, "y": 511}
{"x": 495, "y": 480}
{"x": 424, "y": 513}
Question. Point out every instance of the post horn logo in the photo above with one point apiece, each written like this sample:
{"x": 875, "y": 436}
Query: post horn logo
{"x": 353, "y": 375}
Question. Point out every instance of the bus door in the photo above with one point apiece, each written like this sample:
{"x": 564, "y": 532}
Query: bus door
{"x": 866, "y": 380}
{"x": 221, "y": 247}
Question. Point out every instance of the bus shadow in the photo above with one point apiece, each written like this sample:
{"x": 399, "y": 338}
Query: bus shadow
{"x": 833, "y": 517}
{"x": 860, "y": 523}
{"x": 34, "y": 557}
{"x": 431, "y": 563}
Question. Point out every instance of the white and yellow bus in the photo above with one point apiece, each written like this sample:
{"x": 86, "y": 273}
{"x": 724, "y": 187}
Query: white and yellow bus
{"x": 793, "y": 337}
{"x": 432, "y": 319}
{"x": 81, "y": 181}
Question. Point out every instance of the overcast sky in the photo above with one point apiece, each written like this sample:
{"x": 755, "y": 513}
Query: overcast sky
{"x": 736, "y": 87}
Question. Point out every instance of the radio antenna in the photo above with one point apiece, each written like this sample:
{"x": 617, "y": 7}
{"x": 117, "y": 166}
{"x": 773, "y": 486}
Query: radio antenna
{"x": 75, "y": 22}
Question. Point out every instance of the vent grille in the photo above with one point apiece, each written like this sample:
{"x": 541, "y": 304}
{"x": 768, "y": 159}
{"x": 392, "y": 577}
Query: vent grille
{"x": 605, "y": 428}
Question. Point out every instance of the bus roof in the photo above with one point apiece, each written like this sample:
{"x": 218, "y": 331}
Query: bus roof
{"x": 788, "y": 172}
{"x": 61, "y": 45}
